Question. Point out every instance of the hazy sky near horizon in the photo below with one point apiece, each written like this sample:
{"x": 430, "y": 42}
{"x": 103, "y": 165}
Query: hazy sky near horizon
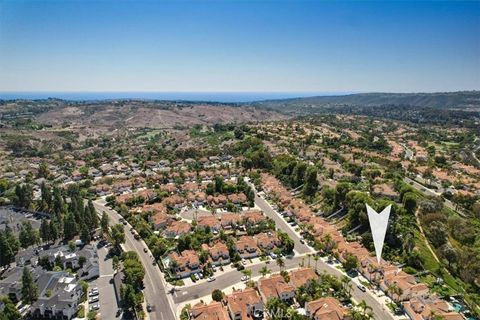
{"x": 271, "y": 46}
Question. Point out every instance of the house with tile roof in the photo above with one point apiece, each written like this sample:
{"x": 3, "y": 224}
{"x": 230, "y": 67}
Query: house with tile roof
{"x": 177, "y": 228}
{"x": 186, "y": 263}
{"x": 424, "y": 308}
{"x": 275, "y": 287}
{"x": 327, "y": 308}
{"x": 301, "y": 276}
{"x": 212, "y": 311}
{"x": 244, "y": 304}
{"x": 246, "y": 246}
{"x": 219, "y": 254}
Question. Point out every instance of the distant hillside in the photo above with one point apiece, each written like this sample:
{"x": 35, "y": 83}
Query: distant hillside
{"x": 137, "y": 113}
{"x": 445, "y": 100}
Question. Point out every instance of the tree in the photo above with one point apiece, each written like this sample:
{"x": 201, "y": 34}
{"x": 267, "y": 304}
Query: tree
{"x": 131, "y": 297}
{"x": 115, "y": 263}
{"x": 366, "y": 309}
{"x": 133, "y": 271}
{"x": 285, "y": 276}
{"x": 287, "y": 242}
{"x": 117, "y": 234}
{"x": 264, "y": 271}
{"x": 29, "y": 287}
{"x": 9, "y": 246}
{"x": 46, "y": 200}
{"x": 23, "y": 196}
{"x": 85, "y": 234}
{"x": 351, "y": 262}
{"x": 217, "y": 295}
{"x": 69, "y": 226}
{"x": 43, "y": 171}
{"x": 280, "y": 263}
{"x": 28, "y": 236}
{"x": 410, "y": 202}
{"x": 9, "y": 312}
{"x": 247, "y": 272}
{"x": 437, "y": 233}
{"x": 104, "y": 223}
{"x": 45, "y": 230}
{"x": 81, "y": 261}
{"x": 311, "y": 181}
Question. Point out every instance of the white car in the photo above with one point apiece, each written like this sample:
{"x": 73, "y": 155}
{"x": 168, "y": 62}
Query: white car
{"x": 210, "y": 279}
{"x": 93, "y": 293}
{"x": 93, "y": 299}
{"x": 245, "y": 278}
{"x": 94, "y": 307}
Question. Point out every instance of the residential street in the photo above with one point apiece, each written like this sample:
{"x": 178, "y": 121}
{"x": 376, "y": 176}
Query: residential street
{"x": 155, "y": 289}
{"x": 157, "y": 294}
{"x": 233, "y": 277}
{"x": 282, "y": 224}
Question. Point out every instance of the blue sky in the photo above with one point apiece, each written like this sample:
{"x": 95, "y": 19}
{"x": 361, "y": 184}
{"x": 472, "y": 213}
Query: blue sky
{"x": 269, "y": 46}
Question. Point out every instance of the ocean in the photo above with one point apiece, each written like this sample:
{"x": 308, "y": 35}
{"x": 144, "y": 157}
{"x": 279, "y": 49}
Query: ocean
{"x": 226, "y": 97}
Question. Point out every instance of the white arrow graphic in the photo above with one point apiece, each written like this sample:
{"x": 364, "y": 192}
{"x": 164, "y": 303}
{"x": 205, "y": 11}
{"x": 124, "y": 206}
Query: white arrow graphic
{"x": 378, "y": 225}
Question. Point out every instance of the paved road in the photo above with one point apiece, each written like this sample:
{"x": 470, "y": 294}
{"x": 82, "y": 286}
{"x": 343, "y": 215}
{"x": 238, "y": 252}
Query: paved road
{"x": 429, "y": 192}
{"x": 232, "y": 278}
{"x": 282, "y": 224}
{"x": 228, "y": 279}
{"x": 155, "y": 289}
{"x": 108, "y": 301}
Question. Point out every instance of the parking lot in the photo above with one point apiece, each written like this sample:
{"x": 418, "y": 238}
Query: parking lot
{"x": 107, "y": 302}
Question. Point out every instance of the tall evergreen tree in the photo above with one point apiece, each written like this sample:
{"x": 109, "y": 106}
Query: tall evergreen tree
{"x": 69, "y": 226}
{"x": 8, "y": 248}
{"x": 28, "y": 236}
{"x": 46, "y": 200}
{"x": 29, "y": 287}
{"x": 45, "y": 230}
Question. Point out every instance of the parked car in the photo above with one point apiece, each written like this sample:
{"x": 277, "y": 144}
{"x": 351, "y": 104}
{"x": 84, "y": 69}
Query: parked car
{"x": 196, "y": 276}
{"x": 302, "y": 241}
{"x": 93, "y": 292}
{"x": 245, "y": 278}
{"x": 244, "y": 262}
{"x": 211, "y": 279}
{"x": 362, "y": 288}
{"x": 93, "y": 299}
{"x": 149, "y": 308}
{"x": 94, "y": 307}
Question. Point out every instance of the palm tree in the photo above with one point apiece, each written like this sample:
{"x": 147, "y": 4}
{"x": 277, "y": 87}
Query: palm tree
{"x": 264, "y": 271}
{"x": 247, "y": 272}
{"x": 280, "y": 263}
{"x": 394, "y": 290}
{"x": 316, "y": 257}
{"x": 366, "y": 309}
{"x": 346, "y": 285}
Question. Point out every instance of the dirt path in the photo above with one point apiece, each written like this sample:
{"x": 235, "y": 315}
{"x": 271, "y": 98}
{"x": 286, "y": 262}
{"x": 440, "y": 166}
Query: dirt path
{"x": 423, "y": 234}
